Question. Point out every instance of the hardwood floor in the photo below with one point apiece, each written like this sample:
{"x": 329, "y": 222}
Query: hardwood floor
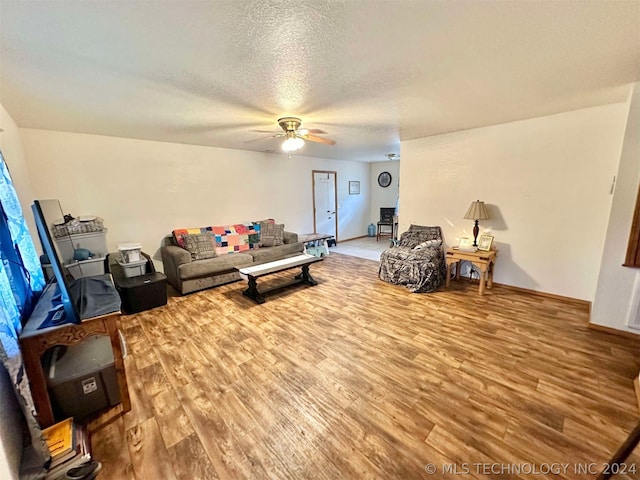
{"x": 356, "y": 378}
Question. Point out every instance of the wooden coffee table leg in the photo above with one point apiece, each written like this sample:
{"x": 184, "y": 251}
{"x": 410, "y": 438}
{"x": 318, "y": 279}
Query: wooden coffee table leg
{"x": 252, "y": 292}
{"x": 306, "y": 276}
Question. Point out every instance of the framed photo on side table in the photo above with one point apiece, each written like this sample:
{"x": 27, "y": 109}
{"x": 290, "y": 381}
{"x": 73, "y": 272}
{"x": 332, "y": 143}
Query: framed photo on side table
{"x": 466, "y": 245}
{"x": 465, "y": 242}
{"x": 354, "y": 187}
{"x": 485, "y": 243}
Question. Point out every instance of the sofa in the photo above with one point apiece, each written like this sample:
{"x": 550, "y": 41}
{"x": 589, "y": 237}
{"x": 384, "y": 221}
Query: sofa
{"x": 199, "y": 258}
{"x": 417, "y": 262}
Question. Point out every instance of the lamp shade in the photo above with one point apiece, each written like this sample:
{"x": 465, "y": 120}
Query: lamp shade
{"x": 477, "y": 211}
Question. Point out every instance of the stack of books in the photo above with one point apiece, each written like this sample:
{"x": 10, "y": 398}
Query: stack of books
{"x": 69, "y": 446}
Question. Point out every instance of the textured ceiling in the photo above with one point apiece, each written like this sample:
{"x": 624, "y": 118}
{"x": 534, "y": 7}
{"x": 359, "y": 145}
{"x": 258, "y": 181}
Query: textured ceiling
{"x": 369, "y": 73}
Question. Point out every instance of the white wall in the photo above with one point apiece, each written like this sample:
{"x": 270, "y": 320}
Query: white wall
{"x": 546, "y": 182}
{"x": 144, "y": 189}
{"x": 616, "y": 283}
{"x": 384, "y": 197}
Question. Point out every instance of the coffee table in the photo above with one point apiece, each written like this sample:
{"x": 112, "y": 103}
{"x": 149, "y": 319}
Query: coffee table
{"x": 256, "y": 271}
{"x": 316, "y": 243}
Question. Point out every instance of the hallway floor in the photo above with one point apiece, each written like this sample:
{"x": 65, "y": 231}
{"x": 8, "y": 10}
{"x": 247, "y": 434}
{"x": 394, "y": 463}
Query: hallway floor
{"x": 365, "y": 247}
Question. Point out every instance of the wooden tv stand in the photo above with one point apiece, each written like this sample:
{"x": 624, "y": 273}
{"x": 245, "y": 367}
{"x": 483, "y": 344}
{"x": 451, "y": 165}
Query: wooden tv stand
{"x": 34, "y": 342}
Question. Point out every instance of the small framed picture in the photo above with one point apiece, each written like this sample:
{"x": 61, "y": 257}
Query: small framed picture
{"x": 485, "y": 242}
{"x": 465, "y": 242}
{"x": 354, "y": 187}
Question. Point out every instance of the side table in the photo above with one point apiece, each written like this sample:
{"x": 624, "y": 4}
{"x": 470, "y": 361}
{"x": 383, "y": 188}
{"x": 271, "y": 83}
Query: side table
{"x": 484, "y": 261}
{"x": 34, "y": 342}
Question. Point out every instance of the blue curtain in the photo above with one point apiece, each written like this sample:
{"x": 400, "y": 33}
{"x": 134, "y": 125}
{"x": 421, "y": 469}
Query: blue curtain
{"x": 21, "y": 280}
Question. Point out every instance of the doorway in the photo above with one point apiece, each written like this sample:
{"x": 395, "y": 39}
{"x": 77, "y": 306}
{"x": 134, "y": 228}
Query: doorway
{"x": 325, "y": 200}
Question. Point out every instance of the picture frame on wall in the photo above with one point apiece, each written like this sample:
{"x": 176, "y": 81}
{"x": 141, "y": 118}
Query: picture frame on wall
{"x": 354, "y": 187}
{"x": 485, "y": 243}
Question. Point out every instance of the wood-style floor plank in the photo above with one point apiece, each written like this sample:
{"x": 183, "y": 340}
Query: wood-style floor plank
{"x": 356, "y": 378}
{"x": 148, "y": 453}
{"x": 112, "y": 449}
{"x": 173, "y": 422}
{"x": 190, "y": 461}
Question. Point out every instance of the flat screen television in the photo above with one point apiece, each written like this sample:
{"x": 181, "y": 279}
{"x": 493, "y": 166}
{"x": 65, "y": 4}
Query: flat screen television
{"x": 45, "y": 213}
{"x": 80, "y": 298}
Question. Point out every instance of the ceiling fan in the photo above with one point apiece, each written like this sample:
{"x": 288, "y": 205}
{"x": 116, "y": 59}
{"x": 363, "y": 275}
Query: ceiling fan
{"x": 295, "y": 136}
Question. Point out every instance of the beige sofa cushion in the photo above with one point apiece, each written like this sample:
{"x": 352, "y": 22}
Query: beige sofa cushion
{"x": 209, "y": 266}
{"x": 265, "y": 255}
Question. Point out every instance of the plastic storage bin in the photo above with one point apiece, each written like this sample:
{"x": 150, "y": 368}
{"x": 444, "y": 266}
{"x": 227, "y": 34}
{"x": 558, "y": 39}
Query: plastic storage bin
{"x": 143, "y": 292}
{"x": 85, "y": 224}
{"x": 130, "y": 252}
{"x": 96, "y": 242}
{"x": 82, "y": 378}
{"x": 86, "y": 268}
{"x": 133, "y": 269}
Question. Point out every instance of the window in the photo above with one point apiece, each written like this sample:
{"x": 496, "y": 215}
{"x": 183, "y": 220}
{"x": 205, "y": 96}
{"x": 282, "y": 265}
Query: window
{"x": 21, "y": 280}
{"x": 21, "y": 277}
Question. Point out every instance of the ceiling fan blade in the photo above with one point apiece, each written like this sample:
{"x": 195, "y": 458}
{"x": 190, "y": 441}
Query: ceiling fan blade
{"x": 313, "y": 138}
{"x": 307, "y": 131}
{"x": 266, "y": 131}
{"x": 263, "y": 138}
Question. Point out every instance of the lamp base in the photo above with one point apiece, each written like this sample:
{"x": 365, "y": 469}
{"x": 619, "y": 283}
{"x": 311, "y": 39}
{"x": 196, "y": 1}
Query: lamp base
{"x": 476, "y": 230}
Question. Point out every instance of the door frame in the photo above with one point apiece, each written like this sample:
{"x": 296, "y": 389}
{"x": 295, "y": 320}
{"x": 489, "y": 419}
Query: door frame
{"x": 335, "y": 193}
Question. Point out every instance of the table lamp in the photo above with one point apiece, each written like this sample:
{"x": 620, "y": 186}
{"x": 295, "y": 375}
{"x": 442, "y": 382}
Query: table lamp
{"x": 477, "y": 211}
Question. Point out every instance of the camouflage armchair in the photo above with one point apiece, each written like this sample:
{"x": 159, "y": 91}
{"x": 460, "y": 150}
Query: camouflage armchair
{"x": 417, "y": 261}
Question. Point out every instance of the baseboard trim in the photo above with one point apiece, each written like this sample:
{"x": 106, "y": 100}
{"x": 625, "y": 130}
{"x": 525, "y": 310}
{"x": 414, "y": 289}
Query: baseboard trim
{"x": 577, "y": 301}
{"x": 636, "y": 383}
{"x": 614, "y": 331}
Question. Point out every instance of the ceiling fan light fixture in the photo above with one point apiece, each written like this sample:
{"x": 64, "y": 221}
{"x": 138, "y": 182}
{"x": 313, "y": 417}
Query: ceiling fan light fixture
{"x": 292, "y": 143}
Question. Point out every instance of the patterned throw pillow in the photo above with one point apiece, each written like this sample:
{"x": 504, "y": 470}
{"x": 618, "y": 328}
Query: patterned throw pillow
{"x": 200, "y": 246}
{"x": 428, "y": 243}
{"x": 271, "y": 234}
{"x": 180, "y": 233}
{"x": 258, "y": 227}
{"x": 412, "y": 238}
